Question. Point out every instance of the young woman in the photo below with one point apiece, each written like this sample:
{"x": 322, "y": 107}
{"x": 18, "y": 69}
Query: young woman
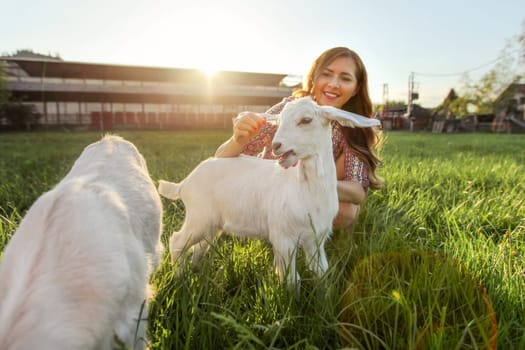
{"x": 337, "y": 78}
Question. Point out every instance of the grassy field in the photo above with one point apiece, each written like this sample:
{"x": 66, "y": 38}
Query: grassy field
{"x": 436, "y": 260}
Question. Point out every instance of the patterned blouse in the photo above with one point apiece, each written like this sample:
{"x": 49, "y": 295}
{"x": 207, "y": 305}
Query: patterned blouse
{"x": 261, "y": 145}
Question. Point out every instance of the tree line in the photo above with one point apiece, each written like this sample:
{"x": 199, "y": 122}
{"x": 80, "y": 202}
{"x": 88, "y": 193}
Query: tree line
{"x": 14, "y": 114}
{"x": 480, "y": 95}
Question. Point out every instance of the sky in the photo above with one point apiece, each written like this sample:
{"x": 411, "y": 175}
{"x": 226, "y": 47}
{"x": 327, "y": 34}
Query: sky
{"x": 438, "y": 40}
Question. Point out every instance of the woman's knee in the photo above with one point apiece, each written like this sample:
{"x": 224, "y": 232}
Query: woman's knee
{"x": 347, "y": 215}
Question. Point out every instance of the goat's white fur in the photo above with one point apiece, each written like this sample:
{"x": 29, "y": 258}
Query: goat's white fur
{"x": 252, "y": 197}
{"x": 75, "y": 273}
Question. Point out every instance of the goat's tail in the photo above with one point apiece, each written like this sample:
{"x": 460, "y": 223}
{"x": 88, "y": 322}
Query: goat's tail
{"x": 169, "y": 189}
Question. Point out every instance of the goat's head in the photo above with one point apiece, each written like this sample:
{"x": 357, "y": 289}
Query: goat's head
{"x": 304, "y": 129}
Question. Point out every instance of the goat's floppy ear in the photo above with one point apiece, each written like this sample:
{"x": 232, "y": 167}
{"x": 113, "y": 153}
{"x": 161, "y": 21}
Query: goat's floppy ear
{"x": 348, "y": 118}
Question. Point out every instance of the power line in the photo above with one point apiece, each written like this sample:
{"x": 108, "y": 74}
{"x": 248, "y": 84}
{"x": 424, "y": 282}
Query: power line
{"x": 468, "y": 70}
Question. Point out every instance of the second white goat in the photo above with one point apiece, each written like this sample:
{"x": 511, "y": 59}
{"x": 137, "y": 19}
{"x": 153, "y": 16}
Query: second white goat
{"x": 75, "y": 273}
{"x": 252, "y": 197}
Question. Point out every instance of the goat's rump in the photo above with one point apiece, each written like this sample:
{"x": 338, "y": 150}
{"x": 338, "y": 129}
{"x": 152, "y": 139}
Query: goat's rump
{"x": 75, "y": 270}
{"x": 75, "y": 273}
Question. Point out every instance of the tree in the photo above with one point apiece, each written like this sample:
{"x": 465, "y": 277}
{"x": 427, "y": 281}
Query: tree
{"x": 478, "y": 97}
{"x": 379, "y": 107}
{"x": 14, "y": 114}
{"x": 4, "y": 92}
{"x": 521, "y": 41}
{"x": 19, "y": 116}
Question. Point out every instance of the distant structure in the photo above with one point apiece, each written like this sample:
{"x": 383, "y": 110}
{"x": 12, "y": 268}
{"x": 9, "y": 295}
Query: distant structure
{"x": 508, "y": 114}
{"x": 443, "y": 117}
{"x": 509, "y": 109}
{"x": 396, "y": 117}
{"x": 105, "y": 97}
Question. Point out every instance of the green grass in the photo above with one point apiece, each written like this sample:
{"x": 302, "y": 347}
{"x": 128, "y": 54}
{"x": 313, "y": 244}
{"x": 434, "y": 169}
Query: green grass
{"x": 436, "y": 260}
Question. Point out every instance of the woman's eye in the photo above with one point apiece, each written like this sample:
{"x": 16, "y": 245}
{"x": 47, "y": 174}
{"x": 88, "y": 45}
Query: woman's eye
{"x": 304, "y": 121}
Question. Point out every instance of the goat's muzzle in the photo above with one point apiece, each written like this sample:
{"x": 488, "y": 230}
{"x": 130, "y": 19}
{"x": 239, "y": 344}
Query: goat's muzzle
{"x": 275, "y": 148}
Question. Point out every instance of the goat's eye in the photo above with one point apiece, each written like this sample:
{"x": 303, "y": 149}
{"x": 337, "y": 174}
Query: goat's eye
{"x": 304, "y": 121}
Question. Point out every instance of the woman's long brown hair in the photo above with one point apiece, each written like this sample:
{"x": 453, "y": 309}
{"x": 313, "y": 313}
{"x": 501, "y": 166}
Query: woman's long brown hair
{"x": 365, "y": 142}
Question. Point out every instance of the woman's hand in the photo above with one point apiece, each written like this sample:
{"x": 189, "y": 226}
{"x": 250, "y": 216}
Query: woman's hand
{"x": 245, "y": 126}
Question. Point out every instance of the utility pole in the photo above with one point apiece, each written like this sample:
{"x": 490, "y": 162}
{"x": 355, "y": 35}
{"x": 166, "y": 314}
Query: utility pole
{"x": 385, "y": 98}
{"x": 411, "y": 97}
{"x": 385, "y": 94}
{"x": 410, "y": 94}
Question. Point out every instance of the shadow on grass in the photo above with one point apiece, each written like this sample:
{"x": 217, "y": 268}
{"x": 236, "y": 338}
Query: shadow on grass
{"x": 416, "y": 300}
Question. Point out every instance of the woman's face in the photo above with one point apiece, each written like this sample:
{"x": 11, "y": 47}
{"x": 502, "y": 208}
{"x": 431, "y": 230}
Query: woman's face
{"x": 336, "y": 83}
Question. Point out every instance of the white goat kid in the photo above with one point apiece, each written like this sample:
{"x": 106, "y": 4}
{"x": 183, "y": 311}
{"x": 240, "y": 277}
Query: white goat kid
{"x": 75, "y": 273}
{"x": 252, "y": 197}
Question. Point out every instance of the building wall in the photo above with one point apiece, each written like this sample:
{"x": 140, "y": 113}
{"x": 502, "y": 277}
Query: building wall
{"x": 79, "y": 113}
{"x": 108, "y": 104}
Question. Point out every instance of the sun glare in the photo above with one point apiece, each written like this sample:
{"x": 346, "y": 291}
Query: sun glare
{"x": 209, "y": 71}
{"x": 211, "y": 40}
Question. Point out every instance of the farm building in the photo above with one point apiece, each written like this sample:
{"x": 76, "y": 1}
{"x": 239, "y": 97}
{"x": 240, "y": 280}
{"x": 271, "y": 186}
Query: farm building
{"x": 509, "y": 109}
{"x": 394, "y": 117}
{"x": 508, "y": 115}
{"x": 444, "y": 119}
{"x": 105, "y": 96}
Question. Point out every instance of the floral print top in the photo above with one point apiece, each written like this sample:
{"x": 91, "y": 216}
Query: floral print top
{"x": 261, "y": 146}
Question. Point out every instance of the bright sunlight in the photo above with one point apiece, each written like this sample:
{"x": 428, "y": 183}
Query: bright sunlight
{"x": 209, "y": 39}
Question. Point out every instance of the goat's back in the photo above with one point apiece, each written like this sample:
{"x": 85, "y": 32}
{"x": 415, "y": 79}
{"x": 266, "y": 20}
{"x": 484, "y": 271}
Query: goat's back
{"x": 118, "y": 164}
{"x": 221, "y": 175}
{"x": 246, "y": 195}
{"x": 79, "y": 258}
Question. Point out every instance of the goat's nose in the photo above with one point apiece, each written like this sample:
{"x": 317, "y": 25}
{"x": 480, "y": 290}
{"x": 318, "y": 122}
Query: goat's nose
{"x": 276, "y": 146}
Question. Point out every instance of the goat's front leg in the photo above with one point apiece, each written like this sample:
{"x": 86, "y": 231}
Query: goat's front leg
{"x": 199, "y": 250}
{"x": 177, "y": 248}
{"x": 189, "y": 235}
{"x": 316, "y": 256}
{"x": 284, "y": 257}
